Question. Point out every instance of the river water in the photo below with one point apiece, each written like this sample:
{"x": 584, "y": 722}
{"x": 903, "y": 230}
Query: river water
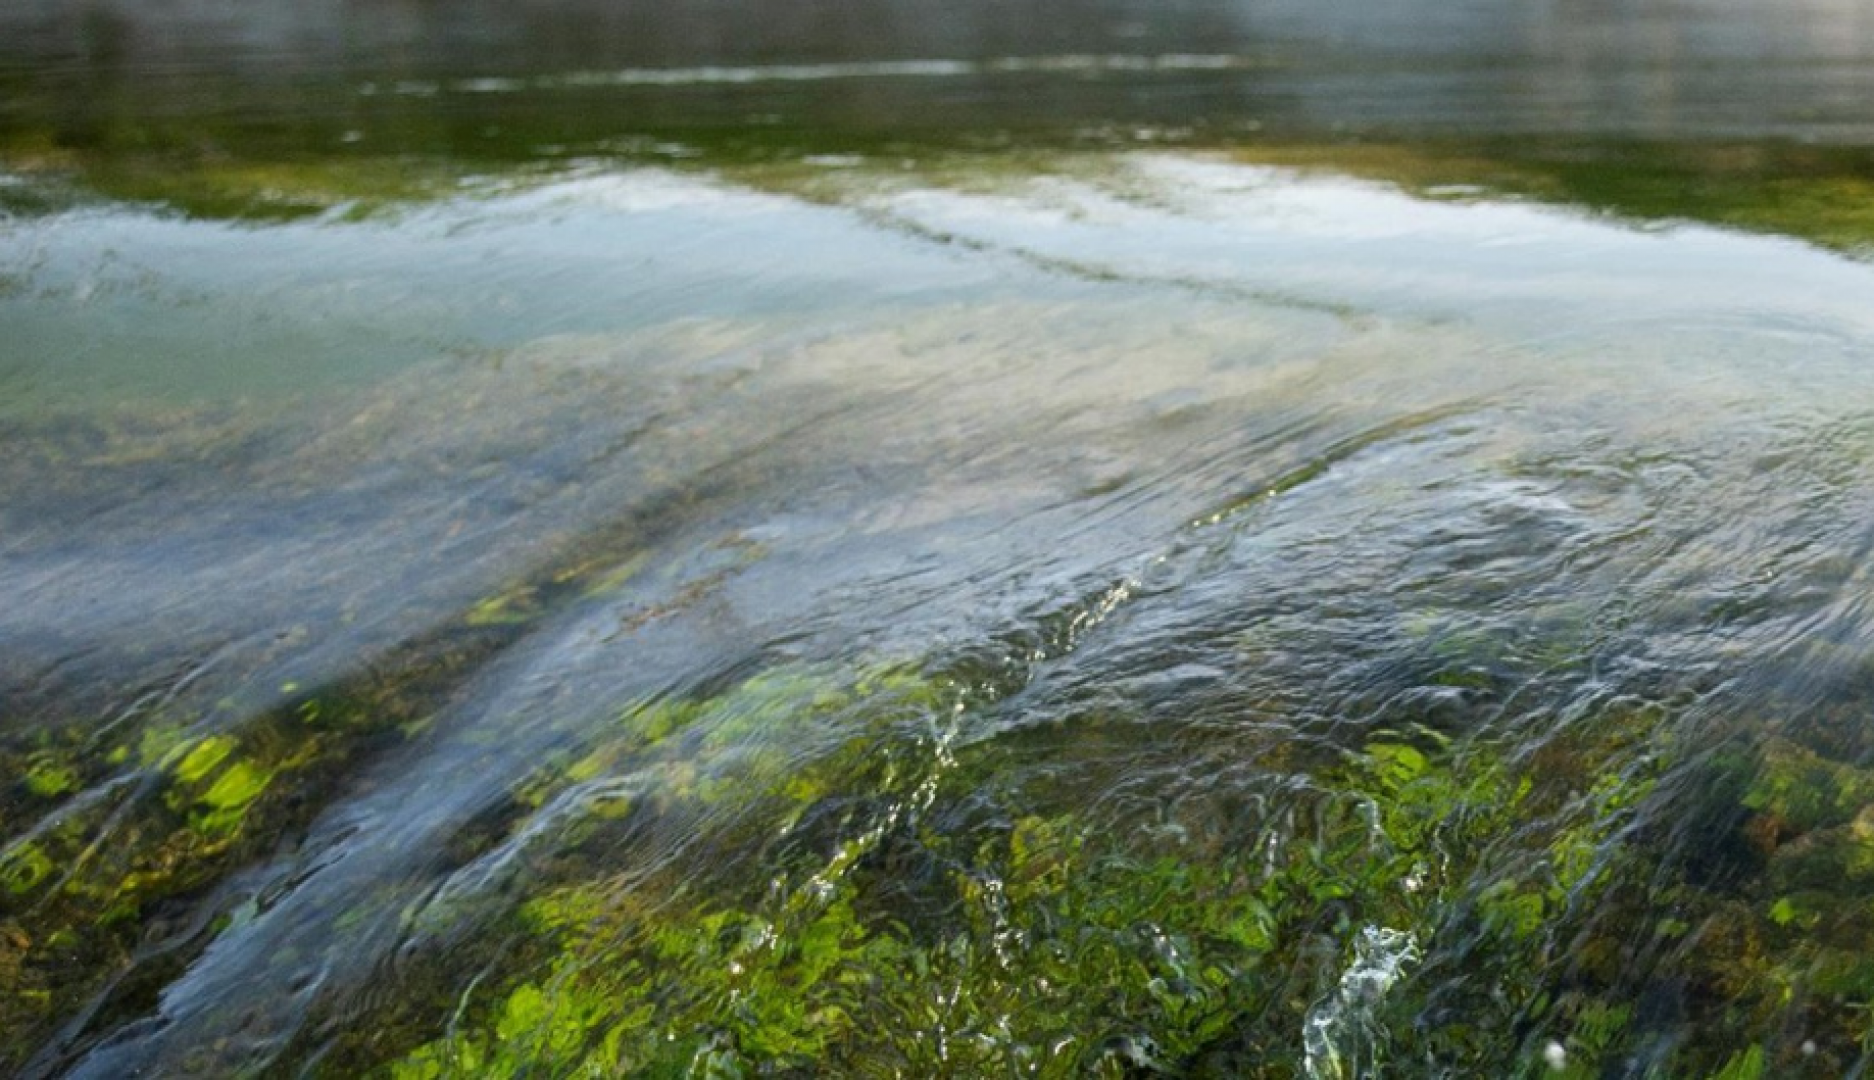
{"x": 1051, "y": 538}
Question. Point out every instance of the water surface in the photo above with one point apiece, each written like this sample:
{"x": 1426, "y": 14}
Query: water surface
{"x": 1232, "y": 541}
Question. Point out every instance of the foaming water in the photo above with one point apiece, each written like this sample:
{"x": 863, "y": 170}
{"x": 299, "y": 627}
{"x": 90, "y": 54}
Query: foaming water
{"x": 1158, "y": 613}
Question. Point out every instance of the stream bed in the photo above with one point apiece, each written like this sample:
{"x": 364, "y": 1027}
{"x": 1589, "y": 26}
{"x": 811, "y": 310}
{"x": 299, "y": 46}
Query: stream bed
{"x": 1214, "y": 542}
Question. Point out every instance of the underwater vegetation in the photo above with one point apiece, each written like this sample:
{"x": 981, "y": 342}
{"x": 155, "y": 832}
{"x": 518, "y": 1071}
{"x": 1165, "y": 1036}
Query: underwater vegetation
{"x": 890, "y": 889}
{"x": 218, "y": 169}
{"x": 506, "y": 587}
{"x": 116, "y": 852}
{"x": 1411, "y": 902}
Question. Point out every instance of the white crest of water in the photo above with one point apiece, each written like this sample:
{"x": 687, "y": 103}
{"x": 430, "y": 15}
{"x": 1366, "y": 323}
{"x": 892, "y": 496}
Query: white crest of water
{"x": 1340, "y": 1035}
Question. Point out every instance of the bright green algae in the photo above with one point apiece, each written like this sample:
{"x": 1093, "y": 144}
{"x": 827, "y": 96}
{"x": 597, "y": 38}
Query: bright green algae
{"x": 122, "y": 835}
{"x": 100, "y": 881}
{"x": 917, "y": 913}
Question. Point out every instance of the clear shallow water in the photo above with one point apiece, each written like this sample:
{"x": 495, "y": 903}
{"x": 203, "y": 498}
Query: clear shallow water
{"x": 916, "y": 609}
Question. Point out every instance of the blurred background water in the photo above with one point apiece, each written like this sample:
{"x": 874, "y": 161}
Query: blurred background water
{"x": 433, "y": 76}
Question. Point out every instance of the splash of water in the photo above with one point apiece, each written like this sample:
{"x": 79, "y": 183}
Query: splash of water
{"x": 1342, "y": 1035}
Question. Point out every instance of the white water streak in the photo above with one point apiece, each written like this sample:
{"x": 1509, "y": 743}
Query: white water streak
{"x": 1340, "y": 1034}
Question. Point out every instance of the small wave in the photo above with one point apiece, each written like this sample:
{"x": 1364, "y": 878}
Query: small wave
{"x": 714, "y": 75}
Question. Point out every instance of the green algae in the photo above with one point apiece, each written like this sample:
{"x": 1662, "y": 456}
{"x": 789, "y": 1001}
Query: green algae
{"x": 121, "y": 828}
{"x": 49, "y": 777}
{"x": 1049, "y": 946}
{"x": 24, "y": 867}
{"x": 272, "y": 189}
{"x": 1794, "y": 789}
{"x": 1044, "y": 943}
{"x": 902, "y": 902}
{"x": 508, "y": 609}
{"x": 174, "y": 815}
{"x": 203, "y": 757}
{"x": 1820, "y": 194}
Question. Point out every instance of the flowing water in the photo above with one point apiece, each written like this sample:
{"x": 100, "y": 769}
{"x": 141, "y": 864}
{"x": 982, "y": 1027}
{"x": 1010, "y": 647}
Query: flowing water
{"x": 900, "y": 539}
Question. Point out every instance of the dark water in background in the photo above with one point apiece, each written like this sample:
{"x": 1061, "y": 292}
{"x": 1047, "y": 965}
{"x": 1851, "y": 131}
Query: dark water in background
{"x": 551, "y": 539}
{"x": 1797, "y": 69}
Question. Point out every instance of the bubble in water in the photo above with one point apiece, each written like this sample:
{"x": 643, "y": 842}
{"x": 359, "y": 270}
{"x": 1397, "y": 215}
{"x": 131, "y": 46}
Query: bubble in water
{"x": 1556, "y": 1055}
